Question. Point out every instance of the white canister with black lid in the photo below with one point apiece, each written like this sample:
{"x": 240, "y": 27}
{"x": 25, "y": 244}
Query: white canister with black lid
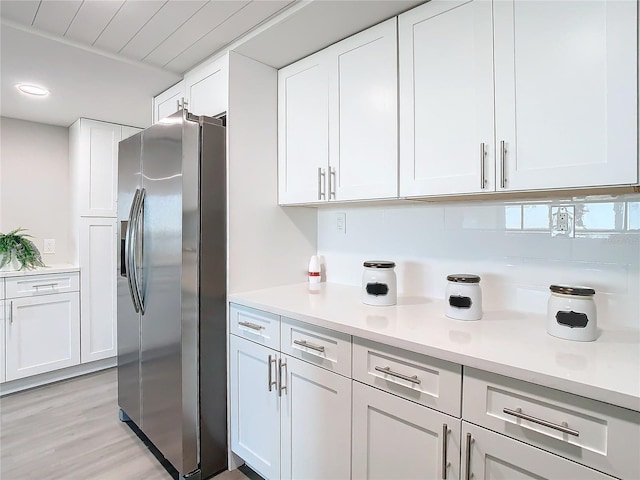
{"x": 463, "y": 297}
{"x": 379, "y": 283}
{"x": 571, "y": 313}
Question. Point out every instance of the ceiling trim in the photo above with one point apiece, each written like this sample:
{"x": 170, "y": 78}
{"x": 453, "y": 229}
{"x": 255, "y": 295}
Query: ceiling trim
{"x": 87, "y": 48}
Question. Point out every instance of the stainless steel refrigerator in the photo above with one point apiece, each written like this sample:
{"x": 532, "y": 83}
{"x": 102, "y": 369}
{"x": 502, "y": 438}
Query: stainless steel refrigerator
{"x": 172, "y": 290}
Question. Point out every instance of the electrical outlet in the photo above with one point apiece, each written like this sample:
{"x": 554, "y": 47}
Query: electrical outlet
{"x": 49, "y": 245}
{"x": 341, "y": 223}
{"x": 562, "y": 221}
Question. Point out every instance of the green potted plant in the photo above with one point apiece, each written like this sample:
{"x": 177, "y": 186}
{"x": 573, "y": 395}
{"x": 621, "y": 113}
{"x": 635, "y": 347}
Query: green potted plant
{"x": 17, "y": 252}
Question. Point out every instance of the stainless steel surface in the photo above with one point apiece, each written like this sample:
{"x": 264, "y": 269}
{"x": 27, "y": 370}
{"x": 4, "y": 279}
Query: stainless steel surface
{"x": 332, "y": 182}
{"x": 269, "y": 376}
{"x": 10, "y": 312}
{"x": 445, "y": 433}
{"x": 312, "y": 346}
{"x": 127, "y": 255}
{"x": 321, "y": 183}
{"x": 388, "y": 371}
{"x": 467, "y": 463}
{"x": 503, "y": 155}
{"x": 129, "y": 180}
{"x": 282, "y": 386}
{"x": 250, "y": 325}
{"x": 177, "y": 266}
{"x": 560, "y": 427}
{"x": 483, "y": 154}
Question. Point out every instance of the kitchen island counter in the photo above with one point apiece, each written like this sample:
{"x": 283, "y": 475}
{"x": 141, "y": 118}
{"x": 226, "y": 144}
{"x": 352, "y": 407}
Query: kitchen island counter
{"x": 509, "y": 343}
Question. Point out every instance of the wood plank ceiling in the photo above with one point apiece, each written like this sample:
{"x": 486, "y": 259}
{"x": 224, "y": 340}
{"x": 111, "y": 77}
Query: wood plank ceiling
{"x": 171, "y": 34}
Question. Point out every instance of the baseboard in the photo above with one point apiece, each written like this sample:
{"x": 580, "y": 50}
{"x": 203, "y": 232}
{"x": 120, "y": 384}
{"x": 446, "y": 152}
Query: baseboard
{"x": 55, "y": 376}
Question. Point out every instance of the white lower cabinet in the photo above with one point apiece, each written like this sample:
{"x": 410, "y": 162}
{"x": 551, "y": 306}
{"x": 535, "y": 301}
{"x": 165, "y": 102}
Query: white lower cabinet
{"x": 490, "y": 456}
{"x": 315, "y": 422}
{"x": 42, "y": 334}
{"x": 2, "y": 329}
{"x": 397, "y": 438}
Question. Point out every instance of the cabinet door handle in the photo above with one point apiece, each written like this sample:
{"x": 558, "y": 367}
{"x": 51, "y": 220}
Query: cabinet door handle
{"x": 467, "y": 463}
{"x": 281, "y": 365}
{"x": 564, "y": 428}
{"x": 271, "y": 381}
{"x": 332, "y": 183}
{"x": 321, "y": 183}
{"x": 252, "y": 326}
{"x": 483, "y": 154}
{"x": 11, "y": 312}
{"x": 445, "y": 432}
{"x": 42, "y": 285}
{"x": 388, "y": 371}
{"x": 503, "y": 171}
{"x": 312, "y": 346}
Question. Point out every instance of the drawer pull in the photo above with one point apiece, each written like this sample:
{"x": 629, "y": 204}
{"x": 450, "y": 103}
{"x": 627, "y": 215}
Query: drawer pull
{"x": 312, "y": 346}
{"x": 388, "y": 371}
{"x": 562, "y": 428}
{"x": 250, "y": 325}
{"x": 42, "y": 285}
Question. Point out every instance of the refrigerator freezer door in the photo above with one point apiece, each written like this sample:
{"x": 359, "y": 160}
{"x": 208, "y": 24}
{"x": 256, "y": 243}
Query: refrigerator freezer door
{"x": 129, "y": 181}
{"x": 168, "y": 409}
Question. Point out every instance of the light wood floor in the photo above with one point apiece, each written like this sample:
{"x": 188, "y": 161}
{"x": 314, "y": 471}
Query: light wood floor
{"x": 70, "y": 431}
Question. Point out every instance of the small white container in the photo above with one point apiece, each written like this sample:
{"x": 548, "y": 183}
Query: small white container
{"x": 379, "y": 285}
{"x": 463, "y": 297}
{"x": 572, "y": 314}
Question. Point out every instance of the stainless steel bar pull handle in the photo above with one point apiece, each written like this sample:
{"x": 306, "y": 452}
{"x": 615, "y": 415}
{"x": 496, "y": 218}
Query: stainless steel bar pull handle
{"x": 388, "y": 371}
{"x": 128, "y": 253}
{"x": 312, "y": 346}
{"x": 564, "y": 428}
{"x": 321, "y": 184}
{"x": 272, "y": 382}
{"x": 281, "y": 365}
{"x": 332, "y": 183}
{"x": 11, "y": 312}
{"x": 42, "y": 285}
{"x": 133, "y": 272}
{"x": 483, "y": 177}
{"x": 467, "y": 463}
{"x": 503, "y": 170}
{"x": 250, "y": 325}
{"x": 445, "y": 433}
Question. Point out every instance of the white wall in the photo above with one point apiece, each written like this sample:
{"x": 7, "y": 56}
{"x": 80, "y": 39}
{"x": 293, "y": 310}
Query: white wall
{"x": 34, "y": 183}
{"x": 508, "y": 244}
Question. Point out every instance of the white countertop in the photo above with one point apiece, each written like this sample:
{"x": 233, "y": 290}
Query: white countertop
{"x": 505, "y": 342}
{"x": 49, "y": 269}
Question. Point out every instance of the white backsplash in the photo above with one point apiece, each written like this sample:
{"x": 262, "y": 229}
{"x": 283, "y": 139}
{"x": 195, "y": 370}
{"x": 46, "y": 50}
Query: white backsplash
{"x": 509, "y": 244}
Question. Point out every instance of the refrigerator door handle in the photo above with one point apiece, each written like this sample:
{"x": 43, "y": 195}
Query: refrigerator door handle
{"x": 128, "y": 252}
{"x": 134, "y": 242}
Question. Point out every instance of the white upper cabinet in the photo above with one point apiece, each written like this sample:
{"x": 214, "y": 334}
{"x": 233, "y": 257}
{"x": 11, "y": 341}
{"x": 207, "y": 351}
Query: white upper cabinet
{"x": 557, "y": 79}
{"x": 337, "y": 122}
{"x": 566, "y": 93}
{"x": 303, "y": 130}
{"x": 206, "y": 88}
{"x": 168, "y": 102}
{"x": 446, "y": 98}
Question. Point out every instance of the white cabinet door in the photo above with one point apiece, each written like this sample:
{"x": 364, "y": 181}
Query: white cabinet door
{"x": 98, "y": 263}
{"x": 491, "y": 456}
{"x": 566, "y": 93}
{"x": 206, "y": 89}
{"x": 316, "y": 422}
{"x": 363, "y": 117}
{"x": 303, "y": 130}
{"x": 255, "y": 406}
{"x": 168, "y": 102}
{"x": 396, "y": 438}
{"x": 446, "y": 98}
{"x": 2, "y": 344}
{"x": 42, "y": 334}
{"x": 98, "y": 168}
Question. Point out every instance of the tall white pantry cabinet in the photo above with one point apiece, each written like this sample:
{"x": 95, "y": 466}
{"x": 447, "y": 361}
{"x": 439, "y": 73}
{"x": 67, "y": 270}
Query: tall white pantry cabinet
{"x": 93, "y": 147}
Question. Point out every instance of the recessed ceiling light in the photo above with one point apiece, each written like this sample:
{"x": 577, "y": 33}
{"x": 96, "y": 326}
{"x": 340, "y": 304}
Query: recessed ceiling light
{"x": 32, "y": 90}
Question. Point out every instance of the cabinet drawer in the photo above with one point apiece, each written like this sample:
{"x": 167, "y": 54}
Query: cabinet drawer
{"x": 593, "y": 433}
{"x": 31, "y": 285}
{"x": 255, "y": 325}
{"x": 320, "y": 346}
{"x": 426, "y": 380}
